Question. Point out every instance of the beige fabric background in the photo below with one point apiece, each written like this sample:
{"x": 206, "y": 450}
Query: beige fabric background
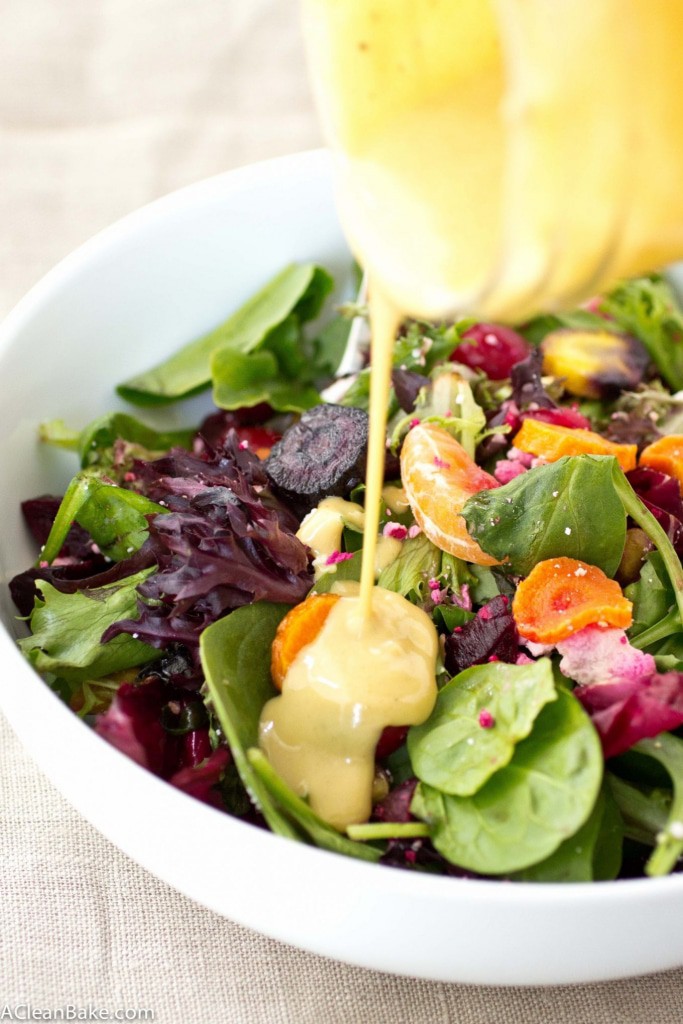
{"x": 105, "y": 105}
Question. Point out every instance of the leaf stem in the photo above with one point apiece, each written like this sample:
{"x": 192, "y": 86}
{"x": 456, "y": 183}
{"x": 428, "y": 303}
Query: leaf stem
{"x": 670, "y": 624}
{"x": 77, "y": 493}
{"x": 321, "y": 833}
{"x": 668, "y": 751}
{"x": 634, "y": 507}
{"x": 388, "y": 830}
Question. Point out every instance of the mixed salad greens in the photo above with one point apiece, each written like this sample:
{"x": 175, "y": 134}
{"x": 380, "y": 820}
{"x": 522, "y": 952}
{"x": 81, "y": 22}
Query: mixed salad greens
{"x": 555, "y": 749}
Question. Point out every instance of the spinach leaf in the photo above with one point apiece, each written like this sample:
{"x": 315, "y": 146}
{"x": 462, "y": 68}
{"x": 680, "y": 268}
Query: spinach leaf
{"x": 113, "y": 516}
{"x": 330, "y": 344}
{"x": 66, "y": 631}
{"x": 569, "y": 507}
{"x": 97, "y": 439}
{"x": 593, "y": 854}
{"x": 448, "y": 617}
{"x": 235, "y": 655}
{"x": 299, "y": 290}
{"x": 529, "y": 807}
{"x": 648, "y": 308}
{"x": 452, "y": 751}
{"x": 643, "y": 518}
{"x": 277, "y": 371}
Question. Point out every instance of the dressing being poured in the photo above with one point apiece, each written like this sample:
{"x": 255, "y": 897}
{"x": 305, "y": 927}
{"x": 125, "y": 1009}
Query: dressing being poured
{"x": 496, "y": 158}
{"x": 502, "y": 157}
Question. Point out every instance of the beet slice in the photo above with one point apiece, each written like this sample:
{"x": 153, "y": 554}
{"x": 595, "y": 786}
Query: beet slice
{"x": 323, "y": 454}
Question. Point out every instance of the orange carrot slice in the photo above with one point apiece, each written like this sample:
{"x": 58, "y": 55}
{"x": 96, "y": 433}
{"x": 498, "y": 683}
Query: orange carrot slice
{"x": 299, "y": 628}
{"x": 550, "y": 442}
{"x": 438, "y": 477}
{"x": 665, "y": 455}
{"x": 560, "y": 596}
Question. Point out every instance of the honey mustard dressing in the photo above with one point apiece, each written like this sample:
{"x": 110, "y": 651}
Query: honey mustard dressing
{"x": 356, "y": 677}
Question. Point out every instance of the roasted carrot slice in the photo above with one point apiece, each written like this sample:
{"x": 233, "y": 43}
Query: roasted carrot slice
{"x": 547, "y": 441}
{"x": 439, "y": 476}
{"x": 560, "y": 596}
{"x": 666, "y": 455}
{"x": 299, "y": 628}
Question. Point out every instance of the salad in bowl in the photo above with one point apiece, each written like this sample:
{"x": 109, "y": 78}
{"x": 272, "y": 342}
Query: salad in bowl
{"x": 531, "y": 514}
{"x": 125, "y": 302}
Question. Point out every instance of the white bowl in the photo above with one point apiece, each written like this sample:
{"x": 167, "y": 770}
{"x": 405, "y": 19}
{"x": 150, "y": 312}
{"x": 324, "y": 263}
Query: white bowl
{"x": 156, "y": 279}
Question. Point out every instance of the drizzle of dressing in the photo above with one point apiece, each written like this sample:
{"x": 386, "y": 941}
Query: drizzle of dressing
{"x": 341, "y": 691}
{"x": 385, "y": 319}
{"x": 373, "y": 662}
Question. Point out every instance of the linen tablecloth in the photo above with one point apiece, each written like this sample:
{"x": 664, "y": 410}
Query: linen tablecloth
{"x": 105, "y": 105}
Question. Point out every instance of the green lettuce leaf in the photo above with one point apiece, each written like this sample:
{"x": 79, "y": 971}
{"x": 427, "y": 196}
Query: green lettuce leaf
{"x": 66, "y": 631}
{"x": 115, "y": 517}
{"x": 95, "y": 442}
{"x": 647, "y": 307}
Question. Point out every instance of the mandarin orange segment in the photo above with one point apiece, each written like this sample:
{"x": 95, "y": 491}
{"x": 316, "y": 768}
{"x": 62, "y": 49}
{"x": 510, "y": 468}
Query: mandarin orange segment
{"x": 560, "y": 596}
{"x": 299, "y": 628}
{"x": 439, "y": 477}
{"x": 550, "y": 442}
{"x": 665, "y": 455}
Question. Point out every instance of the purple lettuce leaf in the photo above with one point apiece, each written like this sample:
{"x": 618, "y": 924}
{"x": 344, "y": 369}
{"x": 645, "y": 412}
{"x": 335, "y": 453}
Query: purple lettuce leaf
{"x": 225, "y": 543}
{"x": 70, "y": 578}
{"x": 407, "y": 386}
{"x": 527, "y": 385}
{"x": 629, "y": 428}
{"x": 78, "y": 558}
